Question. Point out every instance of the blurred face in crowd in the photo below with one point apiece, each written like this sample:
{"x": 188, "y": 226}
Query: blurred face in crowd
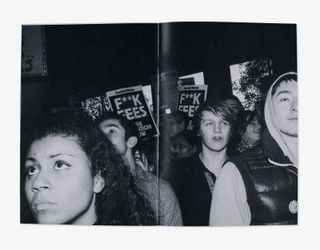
{"x": 59, "y": 185}
{"x": 214, "y": 131}
{"x": 182, "y": 148}
{"x": 285, "y": 107}
{"x": 176, "y": 127}
{"x": 233, "y": 104}
{"x": 253, "y": 130}
{"x": 116, "y": 133}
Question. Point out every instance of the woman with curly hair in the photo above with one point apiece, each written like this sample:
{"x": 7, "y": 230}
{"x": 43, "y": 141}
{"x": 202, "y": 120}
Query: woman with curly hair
{"x": 73, "y": 175}
{"x": 247, "y": 132}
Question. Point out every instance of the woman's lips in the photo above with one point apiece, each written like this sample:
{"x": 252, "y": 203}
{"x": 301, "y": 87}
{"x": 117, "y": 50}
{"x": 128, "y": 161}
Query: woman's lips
{"x": 43, "y": 205}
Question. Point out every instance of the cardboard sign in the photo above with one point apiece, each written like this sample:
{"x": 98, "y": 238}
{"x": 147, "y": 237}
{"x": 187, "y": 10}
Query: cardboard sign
{"x": 190, "y": 98}
{"x": 186, "y": 81}
{"x": 197, "y": 79}
{"x": 147, "y": 91}
{"x": 131, "y": 103}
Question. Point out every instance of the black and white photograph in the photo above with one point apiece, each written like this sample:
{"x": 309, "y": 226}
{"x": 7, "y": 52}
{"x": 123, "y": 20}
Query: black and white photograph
{"x": 170, "y": 124}
{"x": 159, "y": 124}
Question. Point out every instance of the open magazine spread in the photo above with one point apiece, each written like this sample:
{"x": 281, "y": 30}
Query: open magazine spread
{"x": 175, "y": 124}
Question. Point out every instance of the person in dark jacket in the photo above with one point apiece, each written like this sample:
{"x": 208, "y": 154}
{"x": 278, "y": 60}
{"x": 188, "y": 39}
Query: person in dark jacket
{"x": 260, "y": 187}
{"x": 214, "y": 122}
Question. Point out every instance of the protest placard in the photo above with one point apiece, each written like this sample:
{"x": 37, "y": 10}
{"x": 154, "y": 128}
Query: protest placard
{"x": 196, "y": 78}
{"x": 33, "y": 57}
{"x": 190, "y": 98}
{"x": 131, "y": 103}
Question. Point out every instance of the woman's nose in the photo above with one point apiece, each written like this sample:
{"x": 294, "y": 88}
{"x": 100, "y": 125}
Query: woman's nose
{"x": 41, "y": 182}
{"x": 176, "y": 149}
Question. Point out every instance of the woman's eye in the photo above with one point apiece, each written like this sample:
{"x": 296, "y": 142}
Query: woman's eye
{"x": 61, "y": 165}
{"x": 31, "y": 170}
{"x": 209, "y": 124}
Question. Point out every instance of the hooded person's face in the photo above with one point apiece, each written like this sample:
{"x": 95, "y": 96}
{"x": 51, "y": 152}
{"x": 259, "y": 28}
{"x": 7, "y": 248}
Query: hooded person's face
{"x": 285, "y": 107}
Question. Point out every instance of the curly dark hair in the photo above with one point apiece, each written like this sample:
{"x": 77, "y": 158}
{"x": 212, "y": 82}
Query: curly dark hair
{"x": 120, "y": 202}
{"x": 245, "y": 117}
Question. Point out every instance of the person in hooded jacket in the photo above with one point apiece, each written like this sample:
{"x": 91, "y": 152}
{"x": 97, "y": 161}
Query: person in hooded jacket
{"x": 260, "y": 187}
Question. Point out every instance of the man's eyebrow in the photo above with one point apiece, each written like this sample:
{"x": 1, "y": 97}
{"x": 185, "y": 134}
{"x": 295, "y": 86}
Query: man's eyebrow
{"x": 283, "y": 92}
{"x": 112, "y": 125}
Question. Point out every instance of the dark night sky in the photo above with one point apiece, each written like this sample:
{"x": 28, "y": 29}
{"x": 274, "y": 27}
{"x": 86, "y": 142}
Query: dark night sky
{"x": 92, "y": 59}
{"x": 213, "y": 47}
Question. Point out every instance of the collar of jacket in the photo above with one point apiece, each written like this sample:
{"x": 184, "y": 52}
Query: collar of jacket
{"x": 273, "y": 152}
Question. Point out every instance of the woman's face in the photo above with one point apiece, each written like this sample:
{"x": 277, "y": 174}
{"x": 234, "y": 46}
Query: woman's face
{"x": 182, "y": 148}
{"x": 253, "y": 131}
{"x": 59, "y": 185}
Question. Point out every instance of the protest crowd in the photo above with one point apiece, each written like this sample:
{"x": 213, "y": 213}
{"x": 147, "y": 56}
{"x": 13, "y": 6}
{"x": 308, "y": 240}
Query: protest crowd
{"x": 183, "y": 158}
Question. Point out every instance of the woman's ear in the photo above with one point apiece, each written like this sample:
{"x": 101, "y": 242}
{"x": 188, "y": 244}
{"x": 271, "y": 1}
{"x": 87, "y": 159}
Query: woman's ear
{"x": 98, "y": 183}
{"x": 132, "y": 141}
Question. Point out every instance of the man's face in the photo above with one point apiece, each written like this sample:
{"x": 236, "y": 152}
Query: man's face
{"x": 115, "y": 133}
{"x": 214, "y": 131}
{"x": 285, "y": 106}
